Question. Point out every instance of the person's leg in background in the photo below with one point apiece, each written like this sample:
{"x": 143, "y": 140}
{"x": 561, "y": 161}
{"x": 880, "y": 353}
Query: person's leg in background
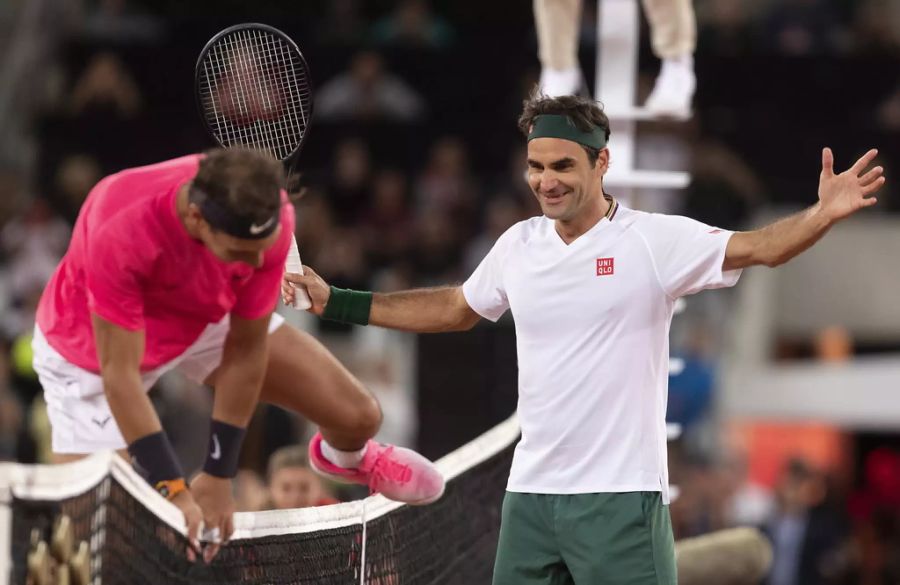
{"x": 557, "y": 23}
{"x": 673, "y": 29}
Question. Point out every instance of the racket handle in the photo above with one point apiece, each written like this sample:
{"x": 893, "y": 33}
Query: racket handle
{"x": 293, "y": 264}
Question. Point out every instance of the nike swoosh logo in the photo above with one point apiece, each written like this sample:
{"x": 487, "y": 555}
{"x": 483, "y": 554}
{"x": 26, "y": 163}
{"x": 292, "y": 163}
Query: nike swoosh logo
{"x": 217, "y": 450}
{"x": 101, "y": 423}
{"x": 258, "y": 229}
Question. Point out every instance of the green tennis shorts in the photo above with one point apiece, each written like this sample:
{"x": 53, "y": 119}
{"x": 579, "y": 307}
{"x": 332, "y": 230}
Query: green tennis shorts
{"x": 585, "y": 539}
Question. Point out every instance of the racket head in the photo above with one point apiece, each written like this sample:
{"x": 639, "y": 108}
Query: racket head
{"x": 253, "y": 88}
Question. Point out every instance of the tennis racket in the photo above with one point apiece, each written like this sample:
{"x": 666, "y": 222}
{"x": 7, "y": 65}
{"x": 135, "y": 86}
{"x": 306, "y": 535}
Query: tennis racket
{"x": 253, "y": 89}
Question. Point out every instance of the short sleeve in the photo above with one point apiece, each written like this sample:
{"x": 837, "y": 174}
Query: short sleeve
{"x": 114, "y": 275}
{"x": 259, "y": 295}
{"x": 484, "y": 290}
{"x": 688, "y": 254}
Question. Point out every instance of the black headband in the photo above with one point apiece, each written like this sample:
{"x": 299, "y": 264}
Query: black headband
{"x": 224, "y": 220}
{"x": 561, "y": 126}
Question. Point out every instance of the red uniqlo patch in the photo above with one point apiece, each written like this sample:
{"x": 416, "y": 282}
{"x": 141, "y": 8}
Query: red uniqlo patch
{"x": 605, "y": 266}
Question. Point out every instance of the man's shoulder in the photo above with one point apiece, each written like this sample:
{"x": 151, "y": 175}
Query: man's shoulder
{"x": 168, "y": 170}
{"x": 526, "y": 230}
{"x": 649, "y": 223}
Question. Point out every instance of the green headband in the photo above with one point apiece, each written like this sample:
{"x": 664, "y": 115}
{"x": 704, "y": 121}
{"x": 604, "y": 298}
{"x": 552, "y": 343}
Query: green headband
{"x": 559, "y": 126}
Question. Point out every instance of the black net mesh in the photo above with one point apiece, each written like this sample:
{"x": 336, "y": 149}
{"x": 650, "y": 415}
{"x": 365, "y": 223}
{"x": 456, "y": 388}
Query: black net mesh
{"x": 452, "y": 541}
{"x": 36, "y": 521}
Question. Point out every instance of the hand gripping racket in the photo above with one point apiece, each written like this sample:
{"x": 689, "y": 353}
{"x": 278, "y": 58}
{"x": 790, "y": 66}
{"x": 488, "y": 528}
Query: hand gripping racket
{"x": 253, "y": 89}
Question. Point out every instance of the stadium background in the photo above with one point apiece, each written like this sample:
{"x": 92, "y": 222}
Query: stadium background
{"x": 789, "y": 392}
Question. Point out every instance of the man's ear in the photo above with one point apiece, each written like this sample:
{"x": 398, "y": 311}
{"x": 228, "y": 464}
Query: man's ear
{"x": 193, "y": 218}
{"x": 603, "y": 160}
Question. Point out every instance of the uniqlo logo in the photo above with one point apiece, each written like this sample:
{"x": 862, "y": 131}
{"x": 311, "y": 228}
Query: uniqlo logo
{"x": 605, "y": 266}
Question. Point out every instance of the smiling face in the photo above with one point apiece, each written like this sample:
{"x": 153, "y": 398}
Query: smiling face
{"x": 566, "y": 185}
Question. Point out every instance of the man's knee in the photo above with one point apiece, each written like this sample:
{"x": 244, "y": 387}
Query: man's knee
{"x": 367, "y": 416}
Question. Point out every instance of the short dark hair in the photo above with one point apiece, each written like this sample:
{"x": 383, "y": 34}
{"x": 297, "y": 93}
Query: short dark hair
{"x": 584, "y": 112}
{"x": 287, "y": 457}
{"x": 245, "y": 182}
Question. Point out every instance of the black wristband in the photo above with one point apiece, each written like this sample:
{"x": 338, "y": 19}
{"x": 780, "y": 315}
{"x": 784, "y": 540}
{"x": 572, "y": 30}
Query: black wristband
{"x": 154, "y": 459}
{"x": 224, "y": 449}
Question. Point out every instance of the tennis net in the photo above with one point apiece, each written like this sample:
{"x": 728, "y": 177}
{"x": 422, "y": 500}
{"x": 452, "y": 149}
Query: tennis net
{"x": 102, "y": 524}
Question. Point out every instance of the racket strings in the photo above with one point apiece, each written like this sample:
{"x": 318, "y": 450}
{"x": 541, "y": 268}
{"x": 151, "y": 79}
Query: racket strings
{"x": 254, "y": 92}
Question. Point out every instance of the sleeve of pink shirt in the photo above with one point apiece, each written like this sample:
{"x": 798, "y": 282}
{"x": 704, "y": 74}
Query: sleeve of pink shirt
{"x": 259, "y": 295}
{"x": 114, "y": 276}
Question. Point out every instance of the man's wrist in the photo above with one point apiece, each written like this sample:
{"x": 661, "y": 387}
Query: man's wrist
{"x": 820, "y": 215}
{"x": 154, "y": 459}
{"x": 224, "y": 453}
{"x": 170, "y": 488}
{"x": 348, "y": 306}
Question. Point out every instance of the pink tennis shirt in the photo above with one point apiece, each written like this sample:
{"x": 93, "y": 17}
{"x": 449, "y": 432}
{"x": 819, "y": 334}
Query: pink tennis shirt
{"x": 132, "y": 262}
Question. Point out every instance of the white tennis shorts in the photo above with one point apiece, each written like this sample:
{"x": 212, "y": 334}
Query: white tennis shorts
{"x": 80, "y": 418}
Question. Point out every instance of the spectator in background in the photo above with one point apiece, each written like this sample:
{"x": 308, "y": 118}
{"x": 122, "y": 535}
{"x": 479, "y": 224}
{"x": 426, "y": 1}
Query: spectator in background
{"x": 367, "y": 92}
{"x": 833, "y": 344}
{"x": 699, "y": 508}
{"x": 342, "y": 24}
{"x": 343, "y": 259}
{"x": 872, "y": 554}
{"x": 74, "y": 178}
{"x": 436, "y": 255}
{"x": 292, "y": 483}
{"x": 315, "y": 223}
{"x": 412, "y": 24}
{"x": 12, "y": 193}
{"x": 106, "y": 88}
{"x": 748, "y": 503}
{"x": 691, "y": 389}
{"x": 725, "y": 29}
{"x": 387, "y": 225}
{"x": 876, "y": 27}
{"x": 119, "y": 21}
{"x": 250, "y": 492}
{"x": 805, "y": 531}
{"x": 11, "y": 424}
{"x": 797, "y": 28}
{"x": 348, "y": 189}
{"x": 446, "y": 186}
{"x": 34, "y": 242}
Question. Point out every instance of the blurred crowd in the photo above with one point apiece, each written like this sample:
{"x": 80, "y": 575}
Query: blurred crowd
{"x": 412, "y": 170}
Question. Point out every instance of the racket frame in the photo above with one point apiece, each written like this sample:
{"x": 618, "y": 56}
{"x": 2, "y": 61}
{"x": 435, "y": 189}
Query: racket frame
{"x": 290, "y": 159}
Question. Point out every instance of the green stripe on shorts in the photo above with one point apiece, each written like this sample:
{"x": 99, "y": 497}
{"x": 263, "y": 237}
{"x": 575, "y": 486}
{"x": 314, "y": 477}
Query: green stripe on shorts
{"x": 585, "y": 539}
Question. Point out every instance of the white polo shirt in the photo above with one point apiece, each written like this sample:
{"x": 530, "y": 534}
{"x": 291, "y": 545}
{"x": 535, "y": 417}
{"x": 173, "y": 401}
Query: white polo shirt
{"x": 592, "y": 330}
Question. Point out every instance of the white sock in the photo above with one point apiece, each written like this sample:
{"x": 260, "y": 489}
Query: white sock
{"x": 556, "y": 82}
{"x": 345, "y": 459}
{"x": 684, "y": 63}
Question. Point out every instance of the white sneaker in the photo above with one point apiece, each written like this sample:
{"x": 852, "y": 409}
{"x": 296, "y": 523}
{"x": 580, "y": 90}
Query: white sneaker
{"x": 674, "y": 89}
{"x": 557, "y": 82}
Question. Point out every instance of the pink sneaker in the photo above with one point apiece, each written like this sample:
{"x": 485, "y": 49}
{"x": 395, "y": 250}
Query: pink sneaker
{"x": 397, "y": 473}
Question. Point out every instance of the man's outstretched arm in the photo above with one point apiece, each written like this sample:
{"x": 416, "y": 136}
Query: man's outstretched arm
{"x": 839, "y": 197}
{"x": 425, "y": 310}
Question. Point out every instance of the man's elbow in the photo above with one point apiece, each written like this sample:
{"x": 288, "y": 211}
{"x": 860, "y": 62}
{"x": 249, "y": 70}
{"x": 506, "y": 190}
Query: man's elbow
{"x": 119, "y": 382}
{"x": 465, "y": 321}
{"x": 775, "y": 260}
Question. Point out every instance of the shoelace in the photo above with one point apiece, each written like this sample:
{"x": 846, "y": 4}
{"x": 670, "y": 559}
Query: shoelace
{"x": 384, "y": 469}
